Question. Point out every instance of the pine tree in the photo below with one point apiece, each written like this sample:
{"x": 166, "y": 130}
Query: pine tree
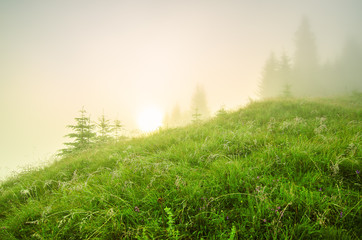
{"x": 104, "y": 129}
{"x": 199, "y": 103}
{"x": 221, "y": 112}
{"x": 116, "y": 129}
{"x": 349, "y": 67}
{"x": 306, "y": 61}
{"x": 268, "y": 86}
{"x": 285, "y": 75}
{"x": 196, "y": 116}
{"x": 83, "y": 134}
{"x": 306, "y": 57}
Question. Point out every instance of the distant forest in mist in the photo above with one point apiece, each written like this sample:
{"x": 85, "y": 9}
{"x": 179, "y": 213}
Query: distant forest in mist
{"x": 300, "y": 75}
{"x": 303, "y": 75}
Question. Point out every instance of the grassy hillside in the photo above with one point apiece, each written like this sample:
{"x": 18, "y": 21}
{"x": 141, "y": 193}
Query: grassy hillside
{"x": 274, "y": 170}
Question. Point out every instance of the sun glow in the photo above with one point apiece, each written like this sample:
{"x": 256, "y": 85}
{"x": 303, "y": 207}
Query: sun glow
{"x": 150, "y": 119}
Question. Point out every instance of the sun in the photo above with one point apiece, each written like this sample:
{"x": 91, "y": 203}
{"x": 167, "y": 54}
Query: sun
{"x": 150, "y": 119}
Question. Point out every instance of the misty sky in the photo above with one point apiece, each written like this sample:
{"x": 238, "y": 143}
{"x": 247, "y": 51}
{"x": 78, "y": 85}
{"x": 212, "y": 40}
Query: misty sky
{"x": 122, "y": 56}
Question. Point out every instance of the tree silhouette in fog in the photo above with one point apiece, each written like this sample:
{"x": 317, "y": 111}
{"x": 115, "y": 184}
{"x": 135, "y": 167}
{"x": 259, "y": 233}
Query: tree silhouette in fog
{"x": 306, "y": 76}
{"x": 276, "y": 77}
{"x": 269, "y": 77}
{"x": 198, "y": 110}
{"x": 302, "y": 78}
{"x": 175, "y": 118}
{"x": 104, "y": 129}
{"x": 285, "y": 76}
{"x": 199, "y": 103}
{"x": 305, "y": 57}
{"x": 305, "y": 61}
{"x": 349, "y": 66}
{"x": 116, "y": 129}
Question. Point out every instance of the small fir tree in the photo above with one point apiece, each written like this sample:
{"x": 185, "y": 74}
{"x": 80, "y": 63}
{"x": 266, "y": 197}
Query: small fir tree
{"x": 104, "y": 129}
{"x": 199, "y": 103}
{"x": 221, "y": 112}
{"x": 116, "y": 129}
{"x": 196, "y": 116}
{"x": 82, "y": 134}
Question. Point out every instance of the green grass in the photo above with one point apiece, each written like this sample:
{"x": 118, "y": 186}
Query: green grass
{"x": 278, "y": 169}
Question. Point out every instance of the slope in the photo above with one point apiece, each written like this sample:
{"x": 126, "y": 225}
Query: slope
{"x": 274, "y": 169}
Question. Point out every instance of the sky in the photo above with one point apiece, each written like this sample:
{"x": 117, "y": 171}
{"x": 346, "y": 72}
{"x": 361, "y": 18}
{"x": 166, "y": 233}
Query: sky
{"x": 121, "y": 57}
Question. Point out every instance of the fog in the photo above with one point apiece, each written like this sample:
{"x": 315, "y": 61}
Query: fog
{"x": 122, "y": 57}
